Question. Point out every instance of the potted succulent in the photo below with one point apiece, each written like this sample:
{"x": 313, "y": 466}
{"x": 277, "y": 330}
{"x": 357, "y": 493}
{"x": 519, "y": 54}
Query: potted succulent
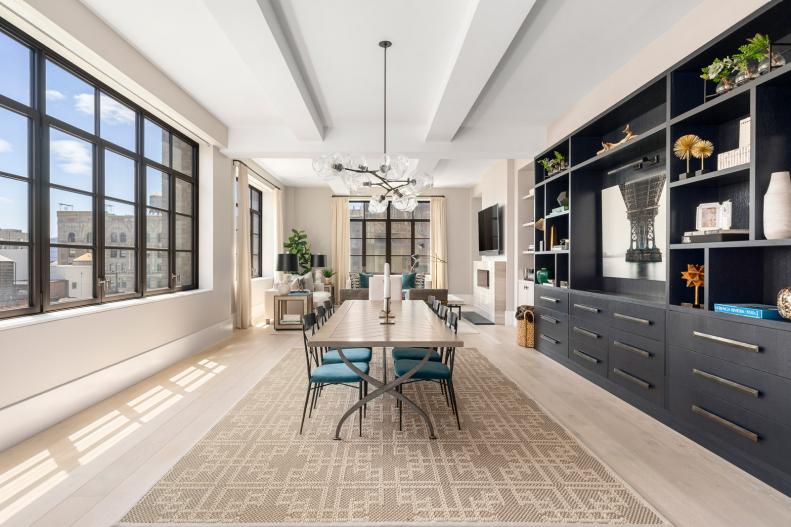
{"x": 555, "y": 165}
{"x": 721, "y": 73}
{"x": 327, "y": 274}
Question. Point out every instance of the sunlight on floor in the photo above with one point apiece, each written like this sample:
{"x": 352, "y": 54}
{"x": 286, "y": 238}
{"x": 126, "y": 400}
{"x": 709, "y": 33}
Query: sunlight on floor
{"x": 27, "y": 481}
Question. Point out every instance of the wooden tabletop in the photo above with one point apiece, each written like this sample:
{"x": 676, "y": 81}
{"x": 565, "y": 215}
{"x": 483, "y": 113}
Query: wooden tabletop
{"x": 356, "y": 323}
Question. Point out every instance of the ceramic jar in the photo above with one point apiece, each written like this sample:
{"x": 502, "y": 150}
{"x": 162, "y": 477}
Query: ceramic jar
{"x": 784, "y": 303}
{"x": 777, "y": 207}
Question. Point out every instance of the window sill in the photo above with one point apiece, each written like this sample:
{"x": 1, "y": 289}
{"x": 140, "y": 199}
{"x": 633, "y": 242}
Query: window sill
{"x": 262, "y": 278}
{"x": 43, "y": 318}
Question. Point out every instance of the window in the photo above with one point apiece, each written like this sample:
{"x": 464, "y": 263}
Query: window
{"x": 102, "y": 176}
{"x": 256, "y": 199}
{"x": 391, "y": 236}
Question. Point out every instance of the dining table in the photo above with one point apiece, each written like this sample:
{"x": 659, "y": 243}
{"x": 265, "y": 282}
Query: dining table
{"x": 360, "y": 323}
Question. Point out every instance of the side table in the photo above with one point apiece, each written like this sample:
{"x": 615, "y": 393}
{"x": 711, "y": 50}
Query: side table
{"x": 286, "y": 320}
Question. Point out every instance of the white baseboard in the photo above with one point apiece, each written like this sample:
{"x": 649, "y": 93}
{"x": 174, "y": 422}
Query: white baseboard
{"x": 31, "y": 416}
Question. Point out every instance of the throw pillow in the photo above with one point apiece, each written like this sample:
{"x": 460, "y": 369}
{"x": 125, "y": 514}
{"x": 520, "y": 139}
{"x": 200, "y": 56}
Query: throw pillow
{"x": 408, "y": 280}
{"x": 420, "y": 281}
{"x": 354, "y": 280}
{"x": 364, "y": 280}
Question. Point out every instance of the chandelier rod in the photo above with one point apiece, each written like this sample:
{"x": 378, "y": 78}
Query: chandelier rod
{"x": 385, "y": 44}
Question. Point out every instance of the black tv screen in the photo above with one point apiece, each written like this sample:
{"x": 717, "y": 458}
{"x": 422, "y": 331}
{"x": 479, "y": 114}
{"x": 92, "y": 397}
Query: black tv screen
{"x": 489, "y": 230}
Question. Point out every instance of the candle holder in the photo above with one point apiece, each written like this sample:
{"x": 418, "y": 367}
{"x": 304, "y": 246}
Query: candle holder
{"x": 387, "y": 317}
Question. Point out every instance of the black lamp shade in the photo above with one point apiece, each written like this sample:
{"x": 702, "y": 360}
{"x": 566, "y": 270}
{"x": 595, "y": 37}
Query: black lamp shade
{"x": 287, "y": 263}
{"x": 318, "y": 260}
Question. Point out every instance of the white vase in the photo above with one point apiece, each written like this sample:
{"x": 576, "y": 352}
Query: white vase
{"x": 777, "y": 207}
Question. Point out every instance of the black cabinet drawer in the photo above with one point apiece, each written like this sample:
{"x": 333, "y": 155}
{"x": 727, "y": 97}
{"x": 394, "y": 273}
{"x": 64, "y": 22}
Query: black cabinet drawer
{"x": 553, "y": 346}
{"x": 589, "y": 307}
{"x": 553, "y": 324}
{"x": 642, "y": 356}
{"x": 635, "y": 318}
{"x": 757, "y": 391}
{"x": 592, "y": 359}
{"x": 751, "y": 433}
{"x": 761, "y": 348}
{"x": 552, "y": 298}
{"x": 589, "y": 333}
{"x": 636, "y": 382}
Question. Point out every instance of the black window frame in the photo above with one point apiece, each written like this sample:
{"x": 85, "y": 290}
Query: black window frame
{"x": 38, "y": 180}
{"x": 388, "y": 220}
{"x": 256, "y": 218}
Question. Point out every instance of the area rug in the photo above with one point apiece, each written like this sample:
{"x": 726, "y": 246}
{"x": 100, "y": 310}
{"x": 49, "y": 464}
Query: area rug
{"x": 510, "y": 464}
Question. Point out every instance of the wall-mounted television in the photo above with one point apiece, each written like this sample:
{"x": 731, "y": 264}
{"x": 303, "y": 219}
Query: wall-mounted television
{"x": 489, "y": 229}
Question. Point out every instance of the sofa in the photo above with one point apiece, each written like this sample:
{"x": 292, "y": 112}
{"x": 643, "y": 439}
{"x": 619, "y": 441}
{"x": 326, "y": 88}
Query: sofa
{"x": 423, "y": 294}
{"x": 420, "y": 293}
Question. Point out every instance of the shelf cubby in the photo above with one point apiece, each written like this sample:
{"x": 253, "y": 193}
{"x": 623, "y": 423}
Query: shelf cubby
{"x": 678, "y": 260}
{"x": 541, "y": 174}
{"x": 685, "y": 200}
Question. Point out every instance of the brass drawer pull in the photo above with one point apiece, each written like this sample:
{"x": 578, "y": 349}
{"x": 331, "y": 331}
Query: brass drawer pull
{"x": 628, "y": 318}
{"x": 587, "y": 308}
{"x": 584, "y": 356}
{"x": 631, "y": 349}
{"x": 550, "y": 299}
{"x": 587, "y": 333}
{"x": 631, "y": 378}
{"x": 726, "y": 382}
{"x": 730, "y": 342}
{"x": 549, "y": 339}
{"x": 747, "y": 434}
{"x": 549, "y": 319}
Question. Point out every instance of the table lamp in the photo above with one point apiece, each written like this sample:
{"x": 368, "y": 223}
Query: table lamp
{"x": 286, "y": 263}
{"x": 318, "y": 262}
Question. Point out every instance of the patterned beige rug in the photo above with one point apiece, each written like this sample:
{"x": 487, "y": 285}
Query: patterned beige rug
{"x": 511, "y": 464}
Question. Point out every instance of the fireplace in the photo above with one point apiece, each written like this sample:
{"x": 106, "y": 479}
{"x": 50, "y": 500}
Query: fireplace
{"x": 482, "y": 278}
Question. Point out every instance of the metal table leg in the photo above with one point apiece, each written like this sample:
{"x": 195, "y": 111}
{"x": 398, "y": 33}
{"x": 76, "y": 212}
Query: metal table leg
{"x": 383, "y": 387}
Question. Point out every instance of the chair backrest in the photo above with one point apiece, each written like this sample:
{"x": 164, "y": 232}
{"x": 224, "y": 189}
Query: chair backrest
{"x": 442, "y": 312}
{"x": 435, "y": 305}
{"x": 321, "y": 315}
{"x": 376, "y": 287}
{"x": 328, "y": 307}
{"x": 452, "y": 321}
{"x": 430, "y": 300}
{"x": 309, "y": 324}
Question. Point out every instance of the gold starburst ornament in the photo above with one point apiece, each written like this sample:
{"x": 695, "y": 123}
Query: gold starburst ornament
{"x": 702, "y": 150}
{"x": 683, "y": 147}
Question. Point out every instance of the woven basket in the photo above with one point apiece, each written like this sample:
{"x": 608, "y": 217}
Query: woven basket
{"x": 526, "y": 330}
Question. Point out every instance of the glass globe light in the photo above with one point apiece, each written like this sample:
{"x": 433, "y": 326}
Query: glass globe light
{"x": 319, "y": 163}
{"x": 405, "y": 203}
{"x": 399, "y": 167}
{"x": 335, "y": 162}
{"x": 422, "y": 182}
{"x": 355, "y": 181}
{"x": 327, "y": 174}
{"x": 385, "y": 165}
{"x": 377, "y": 205}
{"x": 357, "y": 162}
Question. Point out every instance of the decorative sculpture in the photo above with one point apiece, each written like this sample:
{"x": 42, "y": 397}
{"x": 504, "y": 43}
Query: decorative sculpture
{"x": 628, "y": 136}
{"x": 702, "y": 150}
{"x": 694, "y": 275}
{"x": 683, "y": 150}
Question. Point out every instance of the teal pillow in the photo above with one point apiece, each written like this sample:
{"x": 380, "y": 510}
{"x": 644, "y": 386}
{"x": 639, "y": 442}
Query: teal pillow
{"x": 364, "y": 280}
{"x": 408, "y": 280}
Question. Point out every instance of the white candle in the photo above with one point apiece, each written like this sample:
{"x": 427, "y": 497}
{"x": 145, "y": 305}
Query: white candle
{"x": 387, "y": 280}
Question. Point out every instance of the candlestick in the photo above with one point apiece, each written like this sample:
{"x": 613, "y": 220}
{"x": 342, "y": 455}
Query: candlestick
{"x": 387, "y": 280}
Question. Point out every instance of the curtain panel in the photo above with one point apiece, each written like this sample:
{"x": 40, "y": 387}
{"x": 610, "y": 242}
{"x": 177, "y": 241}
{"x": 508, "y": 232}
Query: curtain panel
{"x": 339, "y": 242}
{"x": 439, "y": 244}
{"x": 242, "y": 307}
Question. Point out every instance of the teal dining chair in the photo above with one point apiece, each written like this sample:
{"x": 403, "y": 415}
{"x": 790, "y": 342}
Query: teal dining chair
{"x": 440, "y": 372}
{"x": 322, "y": 374}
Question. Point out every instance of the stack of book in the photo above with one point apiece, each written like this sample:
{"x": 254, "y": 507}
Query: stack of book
{"x": 749, "y": 310}
{"x": 289, "y": 318}
{"x": 717, "y": 235}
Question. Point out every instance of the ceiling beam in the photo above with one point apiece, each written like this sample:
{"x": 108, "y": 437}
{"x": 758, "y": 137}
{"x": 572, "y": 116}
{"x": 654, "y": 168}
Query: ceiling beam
{"x": 492, "y": 28}
{"x": 255, "y": 31}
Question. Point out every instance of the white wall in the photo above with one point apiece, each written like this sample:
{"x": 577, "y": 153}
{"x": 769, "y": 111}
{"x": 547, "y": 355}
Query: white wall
{"x": 308, "y": 209}
{"x": 59, "y": 363}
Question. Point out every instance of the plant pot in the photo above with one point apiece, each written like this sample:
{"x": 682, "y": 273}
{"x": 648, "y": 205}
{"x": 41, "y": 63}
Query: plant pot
{"x": 725, "y": 85}
{"x": 777, "y": 61}
{"x": 748, "y": 74}
{"x": 777, "y": 207}
{"x": 542, "y": 276}
{"x": 784, "y": 303}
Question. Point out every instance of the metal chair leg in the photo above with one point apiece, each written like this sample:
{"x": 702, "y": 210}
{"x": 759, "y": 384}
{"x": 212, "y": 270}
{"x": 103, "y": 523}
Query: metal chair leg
{"x": 401, "y": 410}
{"x": 304, "y": 409}
{"x": 453, "y": 400}
{"x": 360, "y": 395}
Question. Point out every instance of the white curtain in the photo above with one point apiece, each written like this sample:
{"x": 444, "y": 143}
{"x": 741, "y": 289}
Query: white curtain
{"x": 242, "y": 279}
{"x": 339, "y": 242}
{"x": 278, "y": 238}
{"x": 439, "y": 244}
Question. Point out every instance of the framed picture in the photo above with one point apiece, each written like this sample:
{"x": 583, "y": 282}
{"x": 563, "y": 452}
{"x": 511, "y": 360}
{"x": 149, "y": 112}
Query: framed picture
{"x": 633, "y": 228}
{"x": 713, "y": 216}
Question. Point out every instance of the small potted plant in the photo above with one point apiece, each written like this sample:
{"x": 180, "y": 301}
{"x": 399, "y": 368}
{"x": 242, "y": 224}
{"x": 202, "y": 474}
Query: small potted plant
{"x": 720, "y": 72}
{"x": 327, "y": 274}
{"x": 555, "y": 165}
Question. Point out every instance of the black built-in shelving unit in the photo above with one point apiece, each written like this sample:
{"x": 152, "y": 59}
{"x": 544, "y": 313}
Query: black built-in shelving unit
{"x": 724, "y": 381}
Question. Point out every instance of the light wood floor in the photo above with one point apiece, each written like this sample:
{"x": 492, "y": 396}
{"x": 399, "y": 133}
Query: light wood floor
{"x": 90, "y": 469}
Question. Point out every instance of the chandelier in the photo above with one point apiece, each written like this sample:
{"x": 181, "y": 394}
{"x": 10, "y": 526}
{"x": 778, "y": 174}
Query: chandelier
{"x": 388, "y": 179}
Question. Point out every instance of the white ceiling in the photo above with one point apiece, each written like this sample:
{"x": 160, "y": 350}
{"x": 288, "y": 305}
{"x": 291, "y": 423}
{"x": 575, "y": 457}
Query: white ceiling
{"x": 469, "y": 81}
